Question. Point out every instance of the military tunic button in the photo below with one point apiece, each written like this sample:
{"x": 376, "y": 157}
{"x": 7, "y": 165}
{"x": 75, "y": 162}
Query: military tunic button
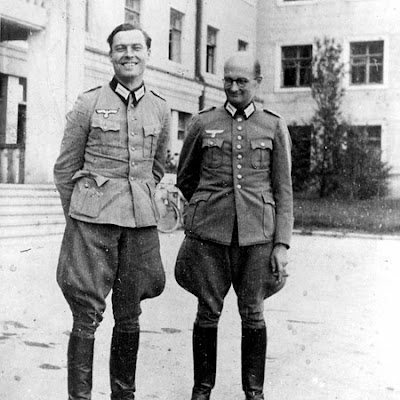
{"x": 86, "y": 185}
{"x": 133, "y": 149}
{"x": 239, "y": 119}
{"x": 239, "y": 146}
{"x": 240, "y": 137}
{"x": 133, "y": 133}
{"x": 239, "y": 156}
{"x": 239, "y": 166}
{"x": 239, "y": 186}
{"x": 132, "y": 163}
{"x": 131, "y": 178}
{"x": 262, "y": 144}
{"x": 239, "y": 176}
{"x": 211, "y": 142}
{"x": 239, "y": 128}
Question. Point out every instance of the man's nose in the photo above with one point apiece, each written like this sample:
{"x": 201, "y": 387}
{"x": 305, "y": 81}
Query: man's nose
{"x": 234, "y": 86}
{"x": 130, "y": 52}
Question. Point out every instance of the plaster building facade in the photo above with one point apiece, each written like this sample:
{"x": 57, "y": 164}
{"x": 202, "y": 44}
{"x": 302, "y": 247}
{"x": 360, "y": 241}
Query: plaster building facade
{"x": 51, "y": 50}
{"x": 369, "y": 33}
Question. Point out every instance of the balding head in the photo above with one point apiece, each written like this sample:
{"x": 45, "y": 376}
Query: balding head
{"x": 245, "y": 60}
{"x": 242, "y": 77}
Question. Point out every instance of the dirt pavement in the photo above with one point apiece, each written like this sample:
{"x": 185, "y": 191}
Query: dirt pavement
{"x": 333, "y": 331}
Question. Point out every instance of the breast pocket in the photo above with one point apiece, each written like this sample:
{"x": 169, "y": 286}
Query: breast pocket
{"x": 102, "y": 125}
{"x": 261, "y": 153}
{"x": 150, "y": 138}
{"x": 213, "y": 154}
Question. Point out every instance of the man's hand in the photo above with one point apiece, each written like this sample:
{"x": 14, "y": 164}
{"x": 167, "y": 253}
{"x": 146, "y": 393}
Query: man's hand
{"x": 279, "y": 260}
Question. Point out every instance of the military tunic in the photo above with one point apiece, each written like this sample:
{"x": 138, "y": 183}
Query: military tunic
{"x": 237, "y": 168}
{"x": 112, "y": 156}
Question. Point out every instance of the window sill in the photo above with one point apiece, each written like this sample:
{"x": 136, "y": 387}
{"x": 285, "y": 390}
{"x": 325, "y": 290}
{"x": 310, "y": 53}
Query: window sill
{"x": 352, "y": 88}
{"x": 293, "y": 89}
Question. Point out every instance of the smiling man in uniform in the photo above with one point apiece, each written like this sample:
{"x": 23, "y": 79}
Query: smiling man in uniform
{"x": 235, "y": 172}
{"x": 112, "y": 156}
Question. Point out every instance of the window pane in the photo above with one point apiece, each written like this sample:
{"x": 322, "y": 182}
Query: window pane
{"x": 376, "y": 47}
{"x": 289, "y": 77}
{"x": 305, "y": 76}
{"x": 289, "y": 52}
{"x": 358, "y": 48}
{"x": 358, "y": 74}
{"x": 376, "y": 74}
{"x": 305, "y": 51}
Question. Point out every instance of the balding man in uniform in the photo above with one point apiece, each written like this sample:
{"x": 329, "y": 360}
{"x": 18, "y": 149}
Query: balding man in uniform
{"x": 235, "y": 172}
{"x": 112, "y": 156}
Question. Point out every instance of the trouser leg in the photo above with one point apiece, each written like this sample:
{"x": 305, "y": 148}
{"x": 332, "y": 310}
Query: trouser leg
{"x": 140, "y": 275}
{"x": 123, "y": 357}
{"x": 80, "y": 367}
{"x": 204, "y": 361}
{"x": 254, "y": 346}
{"x": 85, "y": 274}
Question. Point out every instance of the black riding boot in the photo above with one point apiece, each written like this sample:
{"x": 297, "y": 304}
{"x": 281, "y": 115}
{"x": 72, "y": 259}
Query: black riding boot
{"x": 124, "y": 348}
{"x": 80, "y": 367}
{"x": 254, "y": 347}
{"x": 204, "y": 361}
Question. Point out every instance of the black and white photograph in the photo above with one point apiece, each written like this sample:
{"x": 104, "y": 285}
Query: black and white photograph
{"x": 199, "y": 199}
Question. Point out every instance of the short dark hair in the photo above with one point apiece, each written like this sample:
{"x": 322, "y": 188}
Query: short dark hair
{"x": 129, "y": 27}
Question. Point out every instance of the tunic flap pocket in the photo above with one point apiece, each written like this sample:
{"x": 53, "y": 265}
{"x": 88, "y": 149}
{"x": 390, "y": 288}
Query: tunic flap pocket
{"x": 212, "y": 142}
{"x": 152, "y": 130}
{"x": 265, "y": 143}
{"x": 105, "y": 124}
{"x": 201, "y": 197}
{"x": 267, "y": 199}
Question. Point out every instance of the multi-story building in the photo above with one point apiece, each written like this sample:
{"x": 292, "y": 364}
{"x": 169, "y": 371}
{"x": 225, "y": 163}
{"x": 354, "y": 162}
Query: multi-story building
{"x": 50, "y": 50}
{"x": 369, "y": 33}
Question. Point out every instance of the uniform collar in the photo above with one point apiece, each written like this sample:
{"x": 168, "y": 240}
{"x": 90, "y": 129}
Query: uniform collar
{"x": 233, "y": 111}
{"x": 124, "y": 93}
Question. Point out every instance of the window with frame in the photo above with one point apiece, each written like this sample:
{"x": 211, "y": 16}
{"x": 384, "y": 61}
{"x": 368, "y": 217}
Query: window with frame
{"x": 175, "y": 35}
{"x": 242, "y": 45}
{"x": 366, "y": 62}
{"x": 296, "y": 66}
{"x": 211, "y": 50}
{"x": 183, "y": 121}
{"x": 371, "y": 134}
{"x": 132, "y": 11}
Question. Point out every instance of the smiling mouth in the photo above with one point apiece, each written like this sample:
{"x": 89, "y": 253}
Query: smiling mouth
{"x": 129, "y": 64}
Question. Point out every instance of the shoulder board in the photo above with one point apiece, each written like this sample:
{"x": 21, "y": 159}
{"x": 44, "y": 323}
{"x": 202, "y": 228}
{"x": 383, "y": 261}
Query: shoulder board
{"x": 157, "y": 94}
{"x": 92, "y": 89}
{"x": 204, "y": 110}
{"x": 272, "y": 112}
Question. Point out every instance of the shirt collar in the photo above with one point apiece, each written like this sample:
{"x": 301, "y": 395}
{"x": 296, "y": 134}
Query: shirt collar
{"x": 124, "y": 93}
{"x": 233, "y": 111}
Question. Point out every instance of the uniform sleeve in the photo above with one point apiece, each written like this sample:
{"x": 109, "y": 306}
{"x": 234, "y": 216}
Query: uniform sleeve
{"x": 282, "y": 184}
{"x": 162, "y": 146}
{"x": 189, "y": 167}
{"x": 72, "y": 150}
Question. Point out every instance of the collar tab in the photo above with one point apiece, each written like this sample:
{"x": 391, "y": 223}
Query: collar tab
{"x": 233, "y": 111}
